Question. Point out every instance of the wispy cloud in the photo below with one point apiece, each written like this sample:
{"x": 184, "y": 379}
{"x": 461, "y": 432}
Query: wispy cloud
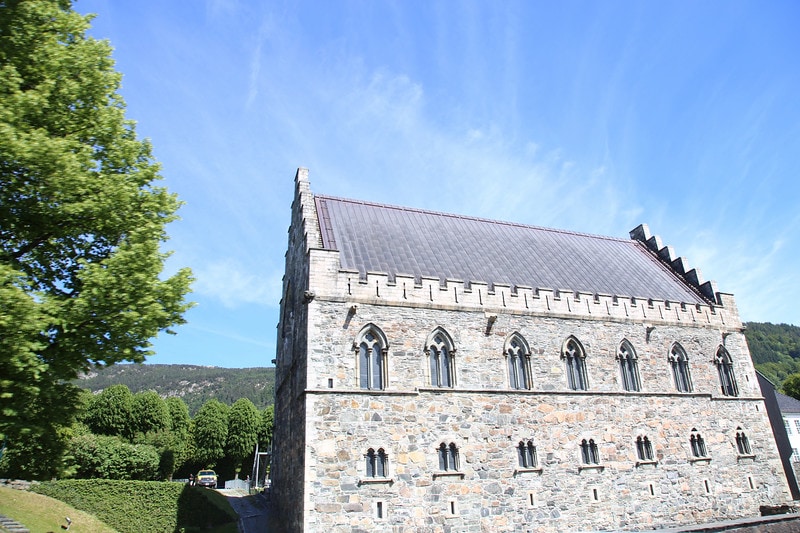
{"x": 231, "y": 283}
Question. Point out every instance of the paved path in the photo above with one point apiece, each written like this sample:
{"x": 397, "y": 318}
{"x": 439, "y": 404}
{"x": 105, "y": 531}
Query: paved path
{"x": 254, "y": 511}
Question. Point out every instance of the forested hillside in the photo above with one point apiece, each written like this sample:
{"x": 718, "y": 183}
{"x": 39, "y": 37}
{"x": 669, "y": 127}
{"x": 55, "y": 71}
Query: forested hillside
{"x": 775, "y": 349}
{"x": 194, "y": 384}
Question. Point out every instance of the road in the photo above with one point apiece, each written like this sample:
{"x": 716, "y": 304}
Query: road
{"x": 254, "y": 511}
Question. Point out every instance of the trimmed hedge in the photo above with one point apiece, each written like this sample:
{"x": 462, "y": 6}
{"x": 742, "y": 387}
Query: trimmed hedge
{"x": 137, "y": 506}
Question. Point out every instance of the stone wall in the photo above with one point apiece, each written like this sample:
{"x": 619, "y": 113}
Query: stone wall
{"x": 486, "y": 421}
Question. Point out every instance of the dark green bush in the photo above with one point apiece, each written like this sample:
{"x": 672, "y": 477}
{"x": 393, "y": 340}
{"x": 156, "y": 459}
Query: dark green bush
{"x": 98, "y": 456}
{"x": 138, "y": 506}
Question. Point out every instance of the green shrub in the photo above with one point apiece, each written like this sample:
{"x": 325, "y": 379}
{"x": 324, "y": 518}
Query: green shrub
{"x": 98, "y": 456}
{"x": 137, "y": 506}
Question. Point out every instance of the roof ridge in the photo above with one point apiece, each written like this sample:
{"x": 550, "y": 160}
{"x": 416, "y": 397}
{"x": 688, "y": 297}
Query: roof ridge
{"x": 472, "y": 218}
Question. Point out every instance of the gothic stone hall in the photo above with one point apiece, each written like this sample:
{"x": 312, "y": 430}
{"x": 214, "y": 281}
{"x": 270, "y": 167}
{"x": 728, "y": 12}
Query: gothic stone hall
{"x": 437, "y": 372}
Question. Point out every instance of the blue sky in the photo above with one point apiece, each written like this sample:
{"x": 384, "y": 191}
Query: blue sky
{"x": 587, "y": 116}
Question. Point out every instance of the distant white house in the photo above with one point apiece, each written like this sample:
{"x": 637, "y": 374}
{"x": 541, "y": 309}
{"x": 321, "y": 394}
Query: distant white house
{"x": 790, "y": 412}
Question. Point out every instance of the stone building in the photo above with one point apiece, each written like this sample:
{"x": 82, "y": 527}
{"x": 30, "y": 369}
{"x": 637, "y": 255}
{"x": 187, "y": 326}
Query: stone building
{"x": 437, "y": 372}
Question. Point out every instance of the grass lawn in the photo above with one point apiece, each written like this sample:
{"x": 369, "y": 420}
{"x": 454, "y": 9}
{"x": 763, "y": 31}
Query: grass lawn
{"x": 41, "y": 514}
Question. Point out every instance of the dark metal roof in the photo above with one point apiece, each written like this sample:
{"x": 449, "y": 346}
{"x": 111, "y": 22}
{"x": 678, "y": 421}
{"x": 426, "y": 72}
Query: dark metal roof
{"x": 787, "y": 404}
{"x": 398, "y": 240}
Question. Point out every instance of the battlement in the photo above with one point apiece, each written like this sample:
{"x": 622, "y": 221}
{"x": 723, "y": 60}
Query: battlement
{"x": 329, "y": 282}
{"x": 679, "y": 265}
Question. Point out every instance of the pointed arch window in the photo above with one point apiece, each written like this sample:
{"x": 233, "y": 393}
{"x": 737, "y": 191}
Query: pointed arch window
{"x": 589, "y": 453}
{"x": 644, "y": 449}
{"x": 628, "y": 367}
{"x": 575, "y": 359}
{"x": 448, "y": 457}
{"x": 727, "y": 379}
{"x": 679, "y": 362}
{"x": 526, "y": 452}
{"x": 697, "y": 444}
{"x": 371, "y": 348}
{"x": 441, "y": 354}
{"x": 377, "y": 463}
{"x": 742, "y": 443}
{"x": 518, "y": 359}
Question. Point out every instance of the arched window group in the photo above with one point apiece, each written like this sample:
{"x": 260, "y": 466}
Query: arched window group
{"x": 441, "y": 355}
{"x": 628, "y": 367}
{"x": 371, "y": 348}
{"x": 377, "y": 463}
{"x": 644, "y": 449}
{"x": 742, "y": 443}
{"x": 575, "y": 358}
{"x": 727, "y": 380}
{"x": 518, "y": 357}
{"x": 589, "y": 452}
{"x": 697, "y": 444}
{"x": 526, "y": 452}
{"x": 448, "y": 457}
{"x": 679, "y": 362}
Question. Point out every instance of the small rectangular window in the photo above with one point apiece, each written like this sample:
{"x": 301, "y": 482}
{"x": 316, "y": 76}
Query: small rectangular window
{"x": 330, "y": 383}
{"x": 379, "y": 510}
{"x": 652, "y": 490}
{"x": 595, "y": 495}
{"x": 750, "y": 482}
{"x": 705, "y": 484}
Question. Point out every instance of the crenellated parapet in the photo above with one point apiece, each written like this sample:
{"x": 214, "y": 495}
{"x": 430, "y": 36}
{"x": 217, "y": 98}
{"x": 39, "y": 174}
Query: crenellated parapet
{"x": 679, "y": 265}
{"x": 329, "y": 282}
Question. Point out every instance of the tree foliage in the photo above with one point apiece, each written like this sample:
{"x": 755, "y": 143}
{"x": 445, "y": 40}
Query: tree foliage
{"x": 149, "y": 413}
{"x": 81, "y": 218}
{"x": 266, "y": 426}
{"x": 775, "y": 349}
{"x": 209, "y": 432}
{"x": 109, "y": 413}
{"x": 243, "y": 426}
{"x": 791, "y": 386}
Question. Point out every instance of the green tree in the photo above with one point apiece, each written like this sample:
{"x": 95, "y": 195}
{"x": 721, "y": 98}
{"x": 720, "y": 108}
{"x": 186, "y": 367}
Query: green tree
{"x": 149, "y": 413}
{"x": 81, "y": 219}
{"x": 266, "y": 426}
{"x": 209, "y": 432}
{"x": 109, "y": 413}
{"x": 243, "y": 425}
{"x": 178, "y": 417}
{"x": 791, "y": 386}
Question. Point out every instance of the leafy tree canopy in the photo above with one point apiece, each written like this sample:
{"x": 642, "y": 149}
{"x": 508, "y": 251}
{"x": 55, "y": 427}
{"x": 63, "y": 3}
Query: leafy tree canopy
{"x": 775, "y": 349}
{"x": 81, "y": 218}
{"x": 149, "y": 412}
{"x": 109, "y": 413}
{"x": 243, "y": 425}
{"x": 209, "y": 432}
